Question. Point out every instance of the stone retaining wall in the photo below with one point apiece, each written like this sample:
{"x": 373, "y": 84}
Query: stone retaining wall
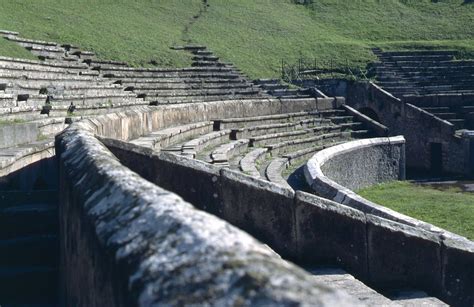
{"x": 419, "y": 128}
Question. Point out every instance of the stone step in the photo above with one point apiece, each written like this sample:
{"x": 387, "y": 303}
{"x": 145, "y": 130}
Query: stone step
{"x": 198, "y": 92}
{"x": 158, "y": 71}
{"x": 224, "y": 75}
{"x": 28, "y": 285}
{"x": 355, "y": 288}
{"x": 43, "y": 65}
{"x": 419, "y": 52}
{"x": 274, "y": 170}
{"x": 205, "y": 58}
{"x": 203, "y": 63}
{"x": 208, "y": 98}
{"x": 42, "y": 250}
{"x": 160, "y": 82}
{"x": 238, "y": 133}
{"x": 160, "y": 87}
{"x": 27, "y": 220}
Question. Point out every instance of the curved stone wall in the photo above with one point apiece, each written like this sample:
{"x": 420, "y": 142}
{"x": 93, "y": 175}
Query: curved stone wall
{"x": 400, "y": 252}
{"x": 334, "y": 173}
{"x": 357, "y": 164}
{"x": 119, "y": 233}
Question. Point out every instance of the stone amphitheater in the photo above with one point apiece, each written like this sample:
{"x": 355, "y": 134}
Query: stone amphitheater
{"x": 198, "y": 186}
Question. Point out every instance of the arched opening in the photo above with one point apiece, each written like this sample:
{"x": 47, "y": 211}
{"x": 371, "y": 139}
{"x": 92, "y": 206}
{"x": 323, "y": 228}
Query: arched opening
{"x": 370, "y": 113}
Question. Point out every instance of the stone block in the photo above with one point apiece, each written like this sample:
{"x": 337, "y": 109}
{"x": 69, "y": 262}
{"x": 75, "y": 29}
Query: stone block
{"x": 458, "y": 272}
{"x": 402, "y": 256}
{"x": 331, "y": 233}
{"x": 263, "y": 209}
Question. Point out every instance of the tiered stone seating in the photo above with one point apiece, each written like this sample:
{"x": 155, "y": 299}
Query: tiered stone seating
{"x": 262, "y": 146}
{"x": 25, "y": 86}
{"x": 272, "y": 148}
{"x": 207, "y": 80}
{"x": 415, "y": 75}
{"x": 423, "y": 72}
{"x": 275, "y": 88}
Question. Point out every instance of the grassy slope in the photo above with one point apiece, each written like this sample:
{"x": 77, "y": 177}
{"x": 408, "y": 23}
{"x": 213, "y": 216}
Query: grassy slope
{"x": 255, "y": 34}
{"x": 135, "y": 31}
{"x": 451, "y": 210}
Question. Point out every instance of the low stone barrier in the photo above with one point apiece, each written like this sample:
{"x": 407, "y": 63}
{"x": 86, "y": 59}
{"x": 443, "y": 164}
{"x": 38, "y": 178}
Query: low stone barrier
{"x": 315, "y": 231}
{"x": 356, "y": 165}
{"x": 300, "y": 226}
{"x": 125, "y": 241}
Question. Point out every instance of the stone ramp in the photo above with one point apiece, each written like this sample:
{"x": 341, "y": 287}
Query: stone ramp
{"x": 29, "y": 248}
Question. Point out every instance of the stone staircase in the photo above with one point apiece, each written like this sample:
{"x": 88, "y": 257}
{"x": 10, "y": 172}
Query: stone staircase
{"x": 423, "y": 72}
{"x": 208, "y": 79}
{"x": 431, "y": 80}
{"x": 29, "y": 248}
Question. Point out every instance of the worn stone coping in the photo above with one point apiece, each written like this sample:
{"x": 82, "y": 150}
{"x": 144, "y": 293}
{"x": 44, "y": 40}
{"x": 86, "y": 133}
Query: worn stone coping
{"x": 314, "y": 175}
{"x": 149, "y": 214}
{"x": 40, "y": 63}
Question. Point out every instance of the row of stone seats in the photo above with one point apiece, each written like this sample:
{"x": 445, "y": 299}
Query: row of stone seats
{"x": 458, "y": 109}
{"x": 423, "y": 72}
{"x": 262, "y": 146}
{"x": 275, "y": 88}
{"x": 25, "y": 86}
{"x": 49, "y": 51}
{"x": 207, "y": 80}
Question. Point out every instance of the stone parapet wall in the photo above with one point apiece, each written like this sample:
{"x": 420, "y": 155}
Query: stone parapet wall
{"x": 127, "y": 242}
{"x": 308, "y": 229}
{"x": 359, "y": 164}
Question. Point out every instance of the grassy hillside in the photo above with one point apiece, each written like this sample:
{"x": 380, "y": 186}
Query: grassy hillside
{"x": 254, "y": 34}
{"x": 449, "y": 209}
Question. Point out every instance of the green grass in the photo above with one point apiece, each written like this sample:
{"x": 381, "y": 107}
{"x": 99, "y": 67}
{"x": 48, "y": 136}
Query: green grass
{"x": 449, "y": 209}
{"x": 254, "y": 34}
